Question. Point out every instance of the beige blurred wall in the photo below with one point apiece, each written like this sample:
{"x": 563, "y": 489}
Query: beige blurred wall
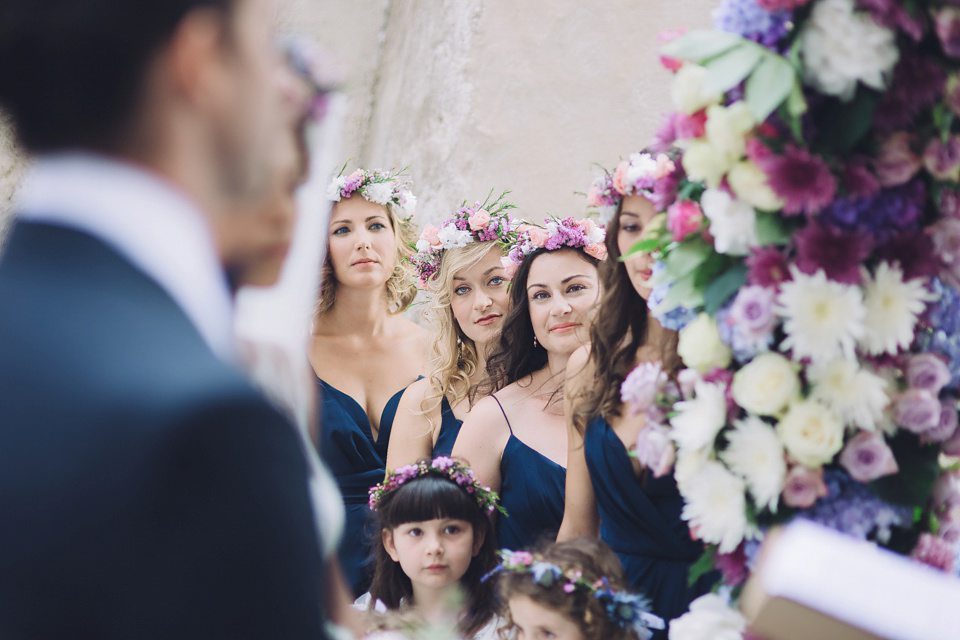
{"x": 474, "y": 94}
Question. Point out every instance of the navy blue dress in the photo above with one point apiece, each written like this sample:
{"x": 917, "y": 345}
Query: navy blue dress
{"x": 532, "y": 491}
{"x": 358, "y": 462}
{"x": 640, "y": 520}
{"x": 449, "y": 430}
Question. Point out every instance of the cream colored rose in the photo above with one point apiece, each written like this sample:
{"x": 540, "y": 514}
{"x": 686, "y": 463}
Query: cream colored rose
{"x": 766, "y": 385}
{"x": 811, "y": 433}
{"x": 727, "y": 129}
{"x": 703, "y": 161}
{"x": 689, "y": 91}
{"x": 700, "y": 346}
{"x": 750, "y": 184}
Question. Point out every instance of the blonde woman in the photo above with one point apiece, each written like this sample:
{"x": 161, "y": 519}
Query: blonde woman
{"x": 460, "y": 265}
{"x": 364, "y": 352}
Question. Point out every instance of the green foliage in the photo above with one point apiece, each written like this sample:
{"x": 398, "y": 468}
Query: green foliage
{"x": 702, "y": 566}
{"x": 722, "y": 288}
{"x": 919, "y": 470}
{"x": 771, "y": 83}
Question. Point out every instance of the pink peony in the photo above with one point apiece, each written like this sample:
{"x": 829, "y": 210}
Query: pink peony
{"x": 655, "y": 450}
{"x": 767, "y": 267}
{"x": 867, "y": 457}
{"x": 479, "y": 220}
{"x": 934, "y": 552}
{"x": 927, "y": 371}
{"x": 598, "y": 251}
{"x": 946, "y": 22}
{"x": 432, "y": 235}
{"x": 538, "y": 237}
{"x": 896, "y": 163}
{"x": 942, "y": 159}
{"x": 683, "y": 218}
{"x": 838, "y": 253}
{"x": 803, "y": 486}
{"x": 639, "y": 389}
{"x": 917, "y": 411}
{"x": 801, "y": 179}
{"x": 509, "y": 267}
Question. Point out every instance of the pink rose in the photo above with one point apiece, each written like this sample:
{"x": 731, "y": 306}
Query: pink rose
{"x": 587, "y": 225}
{"x": 917, "y": 410}
{"x": 620, "y": 178}
{"x": 538, "y": 237}
{"x": 655, "y": 450}
{"x": 942, "y": 159}
{"x": 867, "y": 457}
{"x": 509, "y": 267}
{"x": 594, "y": 196}
{"x": 803, "y": 487}
{"x": 432, "y": 235}
{"x": 896, "y": 163}
{"x": 479, "y": 220}
{"x": 927, "y": 371}
{"x": 683, "y": 218}
{"x": 946, "y": 427}
{"x": 598, "y": 251}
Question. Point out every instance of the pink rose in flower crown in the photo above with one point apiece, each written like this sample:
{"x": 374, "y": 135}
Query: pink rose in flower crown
{"x": 539, "y": 237}
{"x": 620, "y": 177}
{"x": 896, "y": 163}
{"x": 803, "y": 486}
{"x": 595, "y": 196}
{"x": 587, "y": 225}
{"x": 598, "y": 251}
{"x": 479, "y": 220}
{"x": 509, "y": 267}
{"x": 432, "y": 235}
{"x": 665, "y": 166}
{"x": 867, "y": 457}
{"x": 683, "y": 218}
{"x": 655, "y": 450}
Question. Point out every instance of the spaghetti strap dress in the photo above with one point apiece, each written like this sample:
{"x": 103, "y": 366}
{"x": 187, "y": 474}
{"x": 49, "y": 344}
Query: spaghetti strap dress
{"x": 358, "y": 462}
{"x": 531, "y": 492}
{"x": 449, "y": 430}
{"x": 640, "y": 520}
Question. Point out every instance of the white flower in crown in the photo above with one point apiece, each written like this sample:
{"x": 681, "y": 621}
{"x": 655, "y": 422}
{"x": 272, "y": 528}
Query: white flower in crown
{"x": 715, "y": 505}
{"x": 755, "y": 453}
{"x": 378, "y": 192}
{"x": 823, "y": 319}
{"x": 893, "y": 306}
{"x": 857, "y": 396}
{"x": 408, "y": 202}
{"x": 335, "y": 187}
{"x": 453, "y": 238}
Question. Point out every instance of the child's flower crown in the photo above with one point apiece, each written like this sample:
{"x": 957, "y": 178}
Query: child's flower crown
{"x": 637, "y": 175}
{"x": 480, "y": 222}
{"x": 556, "y": 233}
{"x": 378, "y": 186}
{"x": 443, "y": 467}
{"x": 627, "y": 610}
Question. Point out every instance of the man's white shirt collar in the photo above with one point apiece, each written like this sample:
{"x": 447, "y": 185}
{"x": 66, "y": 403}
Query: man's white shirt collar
{"x": 144, "y": 219}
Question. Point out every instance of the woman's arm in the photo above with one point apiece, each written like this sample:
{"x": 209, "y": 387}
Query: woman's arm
{"x": 411, "y": 437}
{"x": 580, "y": 517}
{"x": 481, "y": 441}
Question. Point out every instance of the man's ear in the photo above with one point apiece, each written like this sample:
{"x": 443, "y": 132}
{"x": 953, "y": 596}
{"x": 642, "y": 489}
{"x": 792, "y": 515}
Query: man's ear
{"x": 387, "y": 536}
{"x": 196, "y": 55}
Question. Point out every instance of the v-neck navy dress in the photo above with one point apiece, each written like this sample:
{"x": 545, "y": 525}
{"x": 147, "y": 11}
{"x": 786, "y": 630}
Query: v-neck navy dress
{"x": 449, "y": 430}
{"x": 640, "y": 520}
{"x": 358, "y": 462}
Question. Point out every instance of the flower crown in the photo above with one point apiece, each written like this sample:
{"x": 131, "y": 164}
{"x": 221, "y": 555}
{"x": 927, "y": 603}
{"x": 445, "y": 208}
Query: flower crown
{"x": 378, "y": 186}
{"x": 442, "y": 467}
{"x": 480, "y": 222}
{"x": 627, "y": 610}
{"x": 556, "y": 233}
{"x": 637, "y": 175}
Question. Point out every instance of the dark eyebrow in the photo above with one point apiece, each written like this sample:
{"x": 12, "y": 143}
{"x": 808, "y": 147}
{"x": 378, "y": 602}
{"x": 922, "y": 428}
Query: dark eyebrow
{"x": 564, "y": 281}
{"x": 374, "y": 217}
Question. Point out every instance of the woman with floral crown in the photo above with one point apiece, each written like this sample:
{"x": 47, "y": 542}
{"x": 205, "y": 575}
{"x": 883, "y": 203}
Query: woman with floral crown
{"x": 618, "y": 485}
{"x": 515, "y": 439}
{"x": 460, "y": 265}
{"x": 363, "y": 351}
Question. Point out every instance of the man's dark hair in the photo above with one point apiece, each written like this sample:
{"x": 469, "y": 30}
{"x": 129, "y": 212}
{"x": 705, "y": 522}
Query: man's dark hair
{"x": 71, "y": 71}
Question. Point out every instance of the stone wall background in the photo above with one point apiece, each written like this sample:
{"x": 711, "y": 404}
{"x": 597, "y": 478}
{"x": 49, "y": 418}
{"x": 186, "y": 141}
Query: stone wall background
{"x": 480, "y": 94}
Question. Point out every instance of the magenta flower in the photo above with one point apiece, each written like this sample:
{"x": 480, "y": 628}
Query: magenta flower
{"x": 927, "y": 371}
{"x": 802, "y": 180}
{"x": 767, "y": 267}
{"x": 803, "y": 486}
{"x": 732, "y": 566}
{"x": 838, "y": 253}
{"x": 859, "y": 181}
{"x": 867, "y": 457}
{"x": 683, "y": 218}
{"x": 694, "y": 126}
{"x": 942, "y": 159}
{"x": 914, "y": 251}
{"x": 946, "y": 22}
{"x": 890, "y": 14}
{"x": 917, "y": 83}
{"x": 934, "y": 552}
{"x": 666, "y": 135}
{"x": 917, "y": 411}
{"x": 896, "y": 163}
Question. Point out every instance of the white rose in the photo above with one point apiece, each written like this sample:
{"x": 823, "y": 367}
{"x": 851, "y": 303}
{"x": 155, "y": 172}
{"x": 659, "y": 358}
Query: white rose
{"x": 811, "y": 433}
{"x": 333, "y": 189}
{"x": 709, "y": 618}
{"x": 727, "y": 128}
{"x": 733, "y": 223}
{"x": 423, "y": 246}
{"x": 697, "y": 422}
{"x": 766, "y": 385}
{"x": 704, "y": 162}
{"x": 409, "y": 203}
{"x": 689, "y": 92}
{"x": 378, "y": 192}
{"x": 750, "y": 184}
{"x": 596, "y": 236}
{"x": 700, "y": 346}
{"x": 453, "y": 238}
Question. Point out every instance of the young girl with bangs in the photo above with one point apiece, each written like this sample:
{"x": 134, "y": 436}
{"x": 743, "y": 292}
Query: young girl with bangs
{"x": 607, "y": 491}
{"x": 460, "y": 265}
{"x": 434, "y": 546}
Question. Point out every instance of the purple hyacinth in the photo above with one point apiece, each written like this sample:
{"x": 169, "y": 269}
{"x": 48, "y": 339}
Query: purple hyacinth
{"x": 753, "y": 22}
{"x": 941, "y": 328}
{"x": 889, "y": 211}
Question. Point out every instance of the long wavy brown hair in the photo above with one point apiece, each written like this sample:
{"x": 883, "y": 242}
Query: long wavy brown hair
{"x": 617, "y": 333}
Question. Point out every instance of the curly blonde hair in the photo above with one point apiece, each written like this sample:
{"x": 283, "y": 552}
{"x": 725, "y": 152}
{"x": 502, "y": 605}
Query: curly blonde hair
{"x": 402, "y": 284}
{"x": 455, "y": 356}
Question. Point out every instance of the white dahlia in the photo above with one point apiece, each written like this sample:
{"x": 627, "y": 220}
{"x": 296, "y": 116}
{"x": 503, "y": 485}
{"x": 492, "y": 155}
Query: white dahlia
{"x": 857, "y": 396}
{"x": 893, "y": 305}
{"x": 823, "y": 319}
{"x": 811, "y": 433}
{"x": 698, "y": 421}
{"x": 709, "y": 618}
{"x": 755, "y": 453}
{"x": 715, "y": 506}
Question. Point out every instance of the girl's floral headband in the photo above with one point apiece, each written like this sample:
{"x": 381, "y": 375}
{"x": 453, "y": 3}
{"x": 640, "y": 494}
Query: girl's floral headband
{"x": 442, "y": 467}
{"x": 637, "y": 175}
{"x": 480, "y": 222}
{"x": 389, "y": 189}
{"x": 556, "y": 233}
{"x": 625, "y": 609}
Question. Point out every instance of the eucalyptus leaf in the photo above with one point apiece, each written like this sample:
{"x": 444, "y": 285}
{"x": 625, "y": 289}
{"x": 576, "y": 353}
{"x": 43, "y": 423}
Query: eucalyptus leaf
{"x": 770, "y": 84}
{"x": 683, "y": 292}
{"x": 642, "y": 246}
{"x": 729, "y": 69}
{"x": 699, "y": 46}
{"x": 720, "y": 290}
{"x": 702, "y": 566}
{"x": 687, "y": 256}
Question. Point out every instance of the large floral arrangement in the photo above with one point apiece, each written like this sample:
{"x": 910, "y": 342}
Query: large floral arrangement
{"x": 809, "y": 254}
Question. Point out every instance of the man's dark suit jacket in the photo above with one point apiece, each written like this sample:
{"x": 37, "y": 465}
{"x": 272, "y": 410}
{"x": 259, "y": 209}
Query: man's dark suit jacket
{"x": 146, "y": 489}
